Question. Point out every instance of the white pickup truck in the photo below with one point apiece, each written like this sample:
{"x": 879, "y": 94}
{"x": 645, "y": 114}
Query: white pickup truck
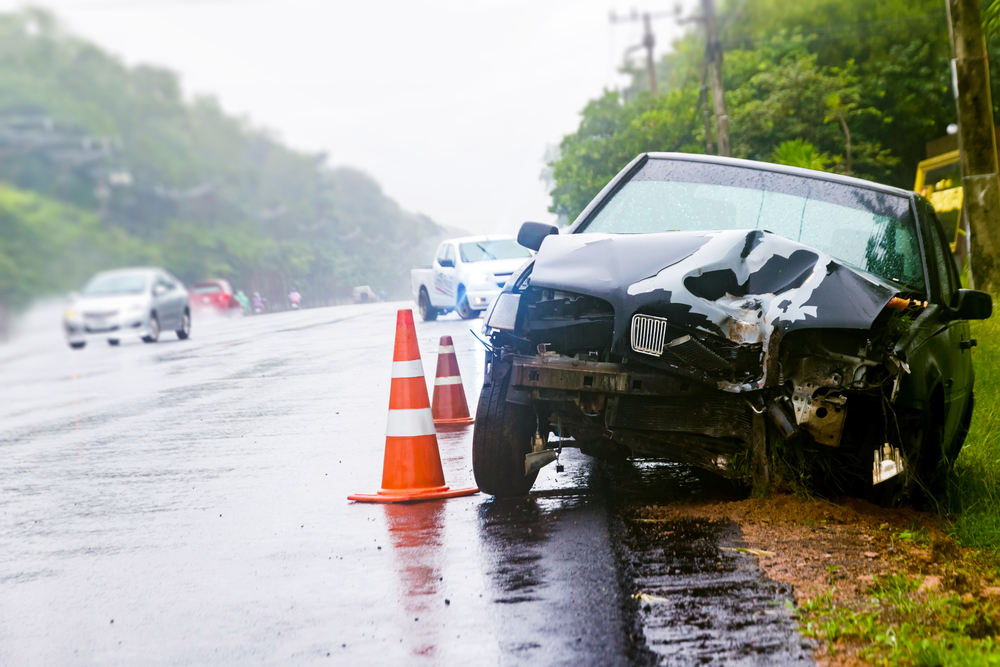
{"x": 467, "y": 275}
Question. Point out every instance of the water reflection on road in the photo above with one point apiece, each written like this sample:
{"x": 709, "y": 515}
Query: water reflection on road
{"x": 195, "y": 494}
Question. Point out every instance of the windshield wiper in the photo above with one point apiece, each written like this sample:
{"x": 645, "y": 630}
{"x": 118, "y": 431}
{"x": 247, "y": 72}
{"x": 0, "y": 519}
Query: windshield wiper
{"x": 480, "y": 246}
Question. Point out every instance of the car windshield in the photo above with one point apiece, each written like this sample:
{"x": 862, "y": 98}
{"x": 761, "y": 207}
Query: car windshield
{"x": 206, "y": 289}
{"x": 487, "y": 250}
{"x": 116, "y": 284}
{"x": 870, "y": 230}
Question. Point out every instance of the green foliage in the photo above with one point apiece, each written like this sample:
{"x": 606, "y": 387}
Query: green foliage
{"x": 49, "y": 246}
{"x": 792, "y": 71}
{"x": 900, "y": 626}
{"x": 612, "y": 133}
{"x": 177, "y": 181}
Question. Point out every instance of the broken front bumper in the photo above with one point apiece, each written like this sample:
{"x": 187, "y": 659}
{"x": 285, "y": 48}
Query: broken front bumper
{"x": 631, "y": 399}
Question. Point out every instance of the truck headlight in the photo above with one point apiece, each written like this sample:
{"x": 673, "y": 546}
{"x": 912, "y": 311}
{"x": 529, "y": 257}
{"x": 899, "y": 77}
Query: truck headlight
{"x": 477, "y": 278}
{"x": 504, "y": 312}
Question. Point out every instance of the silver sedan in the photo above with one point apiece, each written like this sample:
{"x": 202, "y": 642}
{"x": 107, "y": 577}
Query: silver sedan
{"x": 141, "y": 302}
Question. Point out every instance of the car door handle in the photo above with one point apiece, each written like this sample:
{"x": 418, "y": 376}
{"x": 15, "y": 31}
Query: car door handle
{"x": 968, "y": 344}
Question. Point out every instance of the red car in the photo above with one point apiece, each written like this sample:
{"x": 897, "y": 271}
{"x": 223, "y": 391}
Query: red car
{"x": 213, "y": 294}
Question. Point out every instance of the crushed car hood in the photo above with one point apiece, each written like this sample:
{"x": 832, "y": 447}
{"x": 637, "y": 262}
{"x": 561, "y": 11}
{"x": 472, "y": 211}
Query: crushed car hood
{"x": 744, "y": 286}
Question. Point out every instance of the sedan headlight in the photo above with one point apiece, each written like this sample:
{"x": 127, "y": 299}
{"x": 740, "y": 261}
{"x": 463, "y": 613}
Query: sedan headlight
{"x": 70, "y": 314}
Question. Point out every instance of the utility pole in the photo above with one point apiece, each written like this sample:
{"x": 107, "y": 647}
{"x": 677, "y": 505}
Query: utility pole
{"x": 713, "y": 59}
{"x": 976, "y": 140}
{"x": 706, "y": 115}
{"x": 648, "y": 41}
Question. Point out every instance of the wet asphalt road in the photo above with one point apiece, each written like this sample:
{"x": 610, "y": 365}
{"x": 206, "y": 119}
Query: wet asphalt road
{"x": 185, "y": 503}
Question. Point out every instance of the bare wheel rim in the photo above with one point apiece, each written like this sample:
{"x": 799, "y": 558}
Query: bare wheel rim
{"x": 154, "y": 328}
{"x": 186, "y": 324}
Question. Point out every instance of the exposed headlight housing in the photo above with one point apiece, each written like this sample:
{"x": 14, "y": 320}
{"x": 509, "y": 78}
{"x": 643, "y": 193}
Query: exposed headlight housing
{"x": 504, "y": 312}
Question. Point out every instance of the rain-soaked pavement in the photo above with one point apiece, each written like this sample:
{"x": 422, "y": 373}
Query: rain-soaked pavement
{"x": 185, "y": 503}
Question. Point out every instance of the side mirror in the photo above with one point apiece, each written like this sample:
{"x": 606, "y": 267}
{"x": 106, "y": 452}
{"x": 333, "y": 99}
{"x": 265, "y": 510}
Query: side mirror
{"x": 159, "y": 290}
{"x": 447, "y": 263}
{"x": 532, "y": 234}
{"x": 970, "y": 304}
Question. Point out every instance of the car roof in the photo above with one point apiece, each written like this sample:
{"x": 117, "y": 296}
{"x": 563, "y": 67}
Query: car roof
{"x": 639, "y": 160}
{"x": 146, "y": 270}
{"x": 782, "y": 169}
{"x": 480, "y": 239}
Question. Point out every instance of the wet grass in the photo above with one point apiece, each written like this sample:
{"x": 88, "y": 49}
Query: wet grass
{"x": 974, "y": 488}
{"x": 897, "y": 623}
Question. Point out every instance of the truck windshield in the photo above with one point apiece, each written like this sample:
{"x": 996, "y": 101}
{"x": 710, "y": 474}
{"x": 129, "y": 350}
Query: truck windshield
{"x": 870, "y": 230}
{"x": 488, "y": 250}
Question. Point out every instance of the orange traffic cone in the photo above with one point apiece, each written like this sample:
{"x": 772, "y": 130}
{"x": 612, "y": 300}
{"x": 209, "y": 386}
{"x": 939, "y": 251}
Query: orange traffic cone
{"x": 412, "y": 468}
{"x": 449, "y": 405}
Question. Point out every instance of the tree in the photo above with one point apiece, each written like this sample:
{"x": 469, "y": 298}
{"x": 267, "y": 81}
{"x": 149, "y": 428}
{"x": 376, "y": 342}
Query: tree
{"x": 170, "y": 180}
{"x": 798, "y": 153}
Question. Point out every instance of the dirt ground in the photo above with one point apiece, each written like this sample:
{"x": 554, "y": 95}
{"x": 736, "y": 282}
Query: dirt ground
{"x": 819, "y": 546}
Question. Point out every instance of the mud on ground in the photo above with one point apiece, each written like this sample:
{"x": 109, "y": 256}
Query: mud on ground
{"x": 838, "y": 548}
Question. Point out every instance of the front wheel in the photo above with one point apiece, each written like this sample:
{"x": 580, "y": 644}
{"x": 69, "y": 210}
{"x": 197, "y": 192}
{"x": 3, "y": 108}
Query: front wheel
{"x": 185, "y": 329}
{"x": 501, "y": 440}
{"x": 154, "y": 330}
{"x": 465, "y": 311}
{"x": 427, "y": 311}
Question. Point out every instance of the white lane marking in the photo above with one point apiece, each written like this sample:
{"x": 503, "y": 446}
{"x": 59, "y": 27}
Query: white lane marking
{"x": 403, "y": 423}
{"x": 454, "y": 379}
{"x": 407, "y": 369}
{"x": 446, "y": 349}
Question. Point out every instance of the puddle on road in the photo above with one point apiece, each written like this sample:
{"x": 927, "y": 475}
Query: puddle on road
{"x": 710, "y": 604}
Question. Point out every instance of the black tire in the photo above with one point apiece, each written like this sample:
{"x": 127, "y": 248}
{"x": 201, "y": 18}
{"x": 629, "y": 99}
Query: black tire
{"x": 79, "y": 345}
{"x": 113, "y": 342}
{"x": 465, "y": 311}
{"x": 501, "y": 440}
{"x": 185, "y": 329}
{"x": 154, "y": 330}
{"x": 427, "y": 312}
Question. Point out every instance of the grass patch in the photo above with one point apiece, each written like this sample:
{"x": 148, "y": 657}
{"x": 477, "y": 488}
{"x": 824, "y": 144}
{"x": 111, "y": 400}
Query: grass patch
{"x": 898, "y": 624}
{"x": 974, "y": 488}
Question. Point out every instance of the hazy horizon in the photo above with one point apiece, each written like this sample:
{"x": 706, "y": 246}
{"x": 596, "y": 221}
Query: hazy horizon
{"x": 450, "y": 106}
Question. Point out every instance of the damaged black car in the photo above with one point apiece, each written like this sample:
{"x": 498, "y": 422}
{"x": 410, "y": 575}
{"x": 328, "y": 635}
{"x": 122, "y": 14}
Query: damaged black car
{"x": 754, "y": 320}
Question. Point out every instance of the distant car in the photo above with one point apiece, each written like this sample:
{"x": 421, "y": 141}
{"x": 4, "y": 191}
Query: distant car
{"x": 466, "y": 276}
{"x": 364, "y": 294}
{"x": 214, "y": 295}
{"x": 141, "y": 302}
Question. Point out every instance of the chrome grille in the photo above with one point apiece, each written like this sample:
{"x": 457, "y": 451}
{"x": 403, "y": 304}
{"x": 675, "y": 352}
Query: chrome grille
{"x": 648, "y": 334}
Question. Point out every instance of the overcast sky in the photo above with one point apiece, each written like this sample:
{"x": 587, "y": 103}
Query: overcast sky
{"x": 449, "y": 104}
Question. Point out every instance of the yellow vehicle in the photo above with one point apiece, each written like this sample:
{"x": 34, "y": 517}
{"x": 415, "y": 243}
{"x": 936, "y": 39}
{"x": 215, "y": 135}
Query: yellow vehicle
{"x": 940, "y": 180}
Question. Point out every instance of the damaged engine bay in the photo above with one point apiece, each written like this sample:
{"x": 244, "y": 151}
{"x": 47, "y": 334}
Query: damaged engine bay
{"x": 732, "y": 348}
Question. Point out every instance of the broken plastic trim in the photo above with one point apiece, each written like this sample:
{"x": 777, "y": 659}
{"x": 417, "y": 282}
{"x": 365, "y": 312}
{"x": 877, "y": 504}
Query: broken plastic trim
{"x": 887, "y": 464}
